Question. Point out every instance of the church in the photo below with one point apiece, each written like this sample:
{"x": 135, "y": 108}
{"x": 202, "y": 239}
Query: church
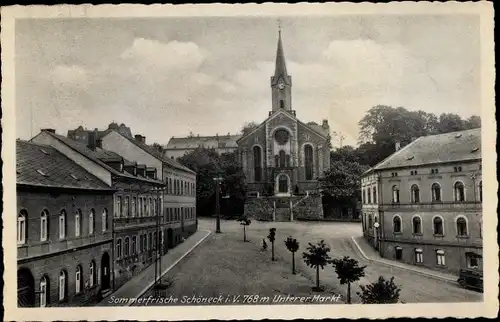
{"x": 282, "y": 157}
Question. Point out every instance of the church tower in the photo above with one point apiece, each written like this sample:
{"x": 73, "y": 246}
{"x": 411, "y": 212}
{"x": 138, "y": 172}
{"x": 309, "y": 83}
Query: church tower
{"x": 281, "y": 83}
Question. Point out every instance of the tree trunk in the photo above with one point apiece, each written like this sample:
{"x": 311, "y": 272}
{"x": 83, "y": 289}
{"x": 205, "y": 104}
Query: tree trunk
{"x": 272, "y": 251}
{"x": 244, "y": 233}
{"x": 293, "y": 263}
{"x": 348, "y": 293}
{"x": 317, "y": 277}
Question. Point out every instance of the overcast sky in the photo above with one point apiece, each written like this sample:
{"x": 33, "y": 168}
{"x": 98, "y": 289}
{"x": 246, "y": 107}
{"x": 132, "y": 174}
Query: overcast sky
{"x": 172, "y": 76}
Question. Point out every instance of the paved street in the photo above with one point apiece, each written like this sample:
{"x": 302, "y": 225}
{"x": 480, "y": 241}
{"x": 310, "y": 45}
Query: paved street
{"x": 414, "y": 287}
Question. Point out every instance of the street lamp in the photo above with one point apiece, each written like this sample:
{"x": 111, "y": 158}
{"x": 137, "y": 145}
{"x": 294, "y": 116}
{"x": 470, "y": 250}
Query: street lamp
{"x": 217, "y": 205}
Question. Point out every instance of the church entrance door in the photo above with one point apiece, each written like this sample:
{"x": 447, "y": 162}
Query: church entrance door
{"x": 283, "y": 184}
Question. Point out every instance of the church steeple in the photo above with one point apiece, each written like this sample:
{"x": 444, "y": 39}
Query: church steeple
{"x": 281, "y": 82}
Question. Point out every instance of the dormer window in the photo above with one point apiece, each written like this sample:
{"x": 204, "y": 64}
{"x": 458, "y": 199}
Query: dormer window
{"x": 411, "y": 158}
{"x": 42, "y": 173}
{"x": 44, "y": 151}
{"x": 459, "y": 135}
{"x": 474, "y": 150}
{"x": 74, "y": 177}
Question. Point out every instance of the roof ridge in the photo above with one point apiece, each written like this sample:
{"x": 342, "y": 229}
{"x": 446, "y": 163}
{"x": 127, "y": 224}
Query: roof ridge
{"x": 397, "y": 152}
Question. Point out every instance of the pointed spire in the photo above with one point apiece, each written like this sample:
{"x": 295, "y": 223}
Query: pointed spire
{"x": 280, "y": 69}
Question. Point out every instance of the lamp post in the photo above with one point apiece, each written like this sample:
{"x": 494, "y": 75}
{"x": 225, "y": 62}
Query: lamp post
{"x": 217, "y": 205}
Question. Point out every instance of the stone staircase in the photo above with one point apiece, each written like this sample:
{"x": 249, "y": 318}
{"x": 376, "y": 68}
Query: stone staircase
{"x": 282, "y": 214}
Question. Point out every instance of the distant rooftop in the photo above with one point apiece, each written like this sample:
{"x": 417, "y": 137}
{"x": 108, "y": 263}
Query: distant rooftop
{"x": 195, "y": 141}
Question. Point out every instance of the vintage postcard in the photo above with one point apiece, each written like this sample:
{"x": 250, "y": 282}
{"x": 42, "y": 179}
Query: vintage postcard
{"x": 277, "y": 161}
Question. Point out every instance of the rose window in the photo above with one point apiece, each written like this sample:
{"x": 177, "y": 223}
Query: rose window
{"x": 281, "y": 136}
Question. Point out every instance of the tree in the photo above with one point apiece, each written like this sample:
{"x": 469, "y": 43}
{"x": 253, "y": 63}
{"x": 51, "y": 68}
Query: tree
{"x": 473, "y": 122}
{"x": 158, "y": 147}
{"x": 245, "y": 222}
{"x": 271, "y": 237}
{"x": 248, "y": 127}
{"x": 293, "y": 246}
{"x": 348, "y": 271}
{"x": 449, "y": 122}
{"x": 342, "y": 182}
{"x": 316, "y": 257}
{"x": 381, "y": 292}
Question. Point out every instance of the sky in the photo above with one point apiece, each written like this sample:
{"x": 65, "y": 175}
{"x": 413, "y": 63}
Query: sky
{"x": 170, "y": 76}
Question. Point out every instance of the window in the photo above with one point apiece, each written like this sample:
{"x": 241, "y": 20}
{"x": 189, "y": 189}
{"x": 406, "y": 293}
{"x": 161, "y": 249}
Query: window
{"x": 369, "y": 194}
{"x": 43, "y": 291}
{"x": 104, "y": 219}
{"x": 309, "y": 159}
{"x": 417, "y": 225}
{"x": 436, "y": 192}
{"x": 170, "y": 188}
{"x": 153, "y": 206}
{"x": 44, "y": 217}
{"x": 480, "y": 191}
{"x": 91, "y": 221}
{"x": 118, "y": 207}
{"x": 62, "y": 285}
{"x": 434, "y": 171}
{"x": 370, "y": 221}
{"x": 126, "y": 247}
{"x": 282, "y": 104}
{"x": 419, "y": 256}
{"x": 126, "y": 210}
{"x": 134, "y": 245}
{"x": 92, "y": 274}
{"x": 437, "y": 223}
{"x": 462, "y": 227}
{"x": 154, "y": 240}
{"x": 78, "y": 280}
{"x": 150, "y": 205}
{"x": 134, "y": 202}
{"x": 150, "y": 241}
{"x": 472, "y": 260}
{"x": 440, "y": 259}
{"x": 364, "y": 196}
{"x": 415, "y": 194}
{"x": 395, "y": 194}
{"x": 62, "y": 224}
{"x": 119, "y": 248}
{"x": 459, "y": 191}
{"x": 374, "y": 195}
{"x": 396, "y": 221}
{"x": 398, "y": 252}
{"x": 145, "y": 207}
{"x": 21, "y": 227}
{"x": 78, "y": 222}
{"x": 257, "y": 163}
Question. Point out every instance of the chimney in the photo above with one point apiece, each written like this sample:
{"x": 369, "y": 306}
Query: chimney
{"x": 325, "y": 124}
{"x": 397, "y": 145}
{"x": 50, "y": 130}
{"x": 92, "y": 141}
{"x": 98, "y": 143}
{"x": 140, "y": 138}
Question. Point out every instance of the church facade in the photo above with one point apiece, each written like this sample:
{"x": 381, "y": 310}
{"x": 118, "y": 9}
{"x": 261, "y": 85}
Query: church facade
{"x": 282, "y": 158}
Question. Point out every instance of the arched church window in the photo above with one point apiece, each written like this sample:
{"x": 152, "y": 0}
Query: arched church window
{"x": 282, "y": 158}
{"x": 288, "y": 160}
{"x": 257, "y": 159}
{"x": 308, "y": 155}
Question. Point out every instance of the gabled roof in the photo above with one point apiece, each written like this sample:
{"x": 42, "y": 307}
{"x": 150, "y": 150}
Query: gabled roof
{"x": 193, "y": 142}
{"x": 43, "y": 166}
{"x": 440, "y": 148}
{"x": 157, "y": 154}
{"x": 98, "y": 155}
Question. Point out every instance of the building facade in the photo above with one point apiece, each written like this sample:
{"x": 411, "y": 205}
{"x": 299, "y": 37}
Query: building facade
{"x": 283, "y": 156}
{"x": 64, "y": 230}
{"x": 423, "y": 204}
{"x": 177, "y": 147}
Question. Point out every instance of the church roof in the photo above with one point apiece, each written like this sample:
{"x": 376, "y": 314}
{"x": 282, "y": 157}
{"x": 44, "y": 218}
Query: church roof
{"x": 193, "y": 142}
{"x": 432, "y": 149}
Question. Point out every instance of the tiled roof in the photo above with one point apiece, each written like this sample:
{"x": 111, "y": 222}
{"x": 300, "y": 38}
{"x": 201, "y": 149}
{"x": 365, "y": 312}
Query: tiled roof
{"x": 193, "y": 142}
{"x": 441, "y": 148}
{"x": 157, "y": 154}
{"x": 41, "y": 165}
{"x": 98, "y": 155}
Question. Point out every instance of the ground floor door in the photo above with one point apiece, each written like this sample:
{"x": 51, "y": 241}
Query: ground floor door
{"x": 25, "y": 288}
{"x": 105, "y": 271}
{"x": 170, "y": 238}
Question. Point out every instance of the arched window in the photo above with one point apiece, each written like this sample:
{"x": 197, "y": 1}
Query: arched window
{"x": 308, "y": 158}
{"x": 370, "y": 221}
{"x": 21, "y": 227}
{"x": 134, "y": 202}
{"x": 91, "y": 221}
{"x": 44, "y": 225}
{"x": 44, "y": 292}
{"x": 415, "y": 194}
{"x": 63, "y": 282}
{"x": 364, "y": 196}
{"x": 436, "y": 192}
{"x": 480, "y": 191}
{"x": 78, "y": 280}
{"x": 78, "y": 222}
{"x": 395, "y": 194}
{"x": 417, "y": 225}
{"x": 437, "y": 223}
{"x": 92, "y": 274}
{"x": 369, "y": 194}
{"x": 257, "y": 163}
{"x": 126, "y": 210}
{"x": 145, "y": 207}
{"x": 119, "y": 248}
{"x": 104, "y": 219}
{"x": 282, "y": 158}
{"x": 134, "y": 245}
{"x": 150, "y": 205}
{"x": 282, "y": 104}
{"x": 396, "y": 221}
{"x": 118, "y": 207}
{"x": 126, "y": 247}
{"x": 374, "y": 194}
{"x": 62, "y": 224}
{"x": 462, "y": 227}
{"x": 459, "y": 191}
